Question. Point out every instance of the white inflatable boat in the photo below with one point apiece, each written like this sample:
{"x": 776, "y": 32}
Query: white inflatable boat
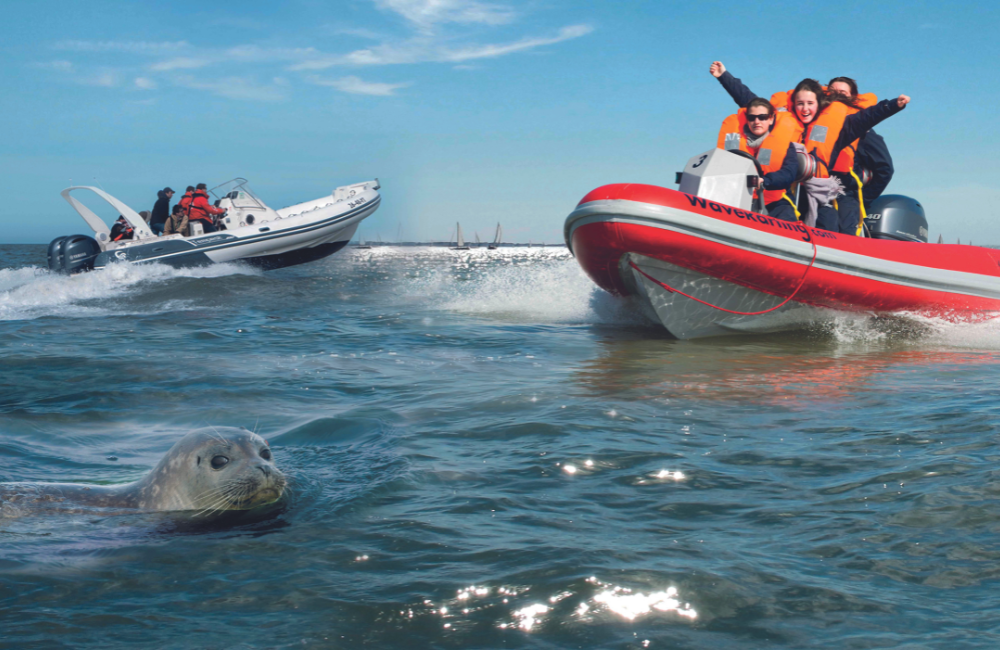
{"x": 250, "y": 231}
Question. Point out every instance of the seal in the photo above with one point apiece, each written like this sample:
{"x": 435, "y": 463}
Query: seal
{"x": 207, "y": 471}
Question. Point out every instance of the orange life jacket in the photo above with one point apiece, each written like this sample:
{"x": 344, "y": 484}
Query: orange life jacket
{"x": 845, "y": 161}
{"x": 185, "y": 202}
{"x": 771, "y": 153}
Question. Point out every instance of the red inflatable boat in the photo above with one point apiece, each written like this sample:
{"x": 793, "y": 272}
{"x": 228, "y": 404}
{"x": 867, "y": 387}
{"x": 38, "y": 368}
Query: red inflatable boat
{"x": 706, "y": 268}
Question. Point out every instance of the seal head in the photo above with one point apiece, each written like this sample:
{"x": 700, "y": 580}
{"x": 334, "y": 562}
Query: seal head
{"x": 207, "y": 471}
{"x": 210, "y": 470}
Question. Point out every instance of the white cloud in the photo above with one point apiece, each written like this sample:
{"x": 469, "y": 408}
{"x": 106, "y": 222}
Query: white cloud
{"x": 144, "y": 83}
{"x": 235, "y": 88}
{"x": 424, "y": 49}
{"x": 103, "y": 79}
{"x": 134, "y": 47}
{"x": 490, "y": 51}
{"x": 425, "y": 14}
{"x": 356, "y": 86}
{"x": 257, "y": 53}
{"x": 180, "y": 63}
{"x": 58, "y": 66}
{"x": 360, "y": 32}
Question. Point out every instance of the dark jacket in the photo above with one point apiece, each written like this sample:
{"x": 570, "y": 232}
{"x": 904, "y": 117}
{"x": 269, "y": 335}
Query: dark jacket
{"x": 161, "y": 209}
{"x": 121, "y": 230}
{"x": 783, "y": 178}
{"x": 855, "y": 126}
{"x": 874, "y": 156}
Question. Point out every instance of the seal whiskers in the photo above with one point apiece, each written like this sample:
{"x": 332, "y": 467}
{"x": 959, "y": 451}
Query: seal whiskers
{"x": 207, "y": 471}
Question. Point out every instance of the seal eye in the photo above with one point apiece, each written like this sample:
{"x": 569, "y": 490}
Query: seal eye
{"x": 218, "y": 462}
{"x": 265, "y": 453}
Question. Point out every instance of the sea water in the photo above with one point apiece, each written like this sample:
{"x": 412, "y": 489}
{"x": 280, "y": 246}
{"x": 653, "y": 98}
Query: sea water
{"x": 485, "y": 450}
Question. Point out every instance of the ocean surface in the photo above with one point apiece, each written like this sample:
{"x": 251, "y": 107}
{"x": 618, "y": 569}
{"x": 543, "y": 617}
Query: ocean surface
{"x": 486, "y": 451}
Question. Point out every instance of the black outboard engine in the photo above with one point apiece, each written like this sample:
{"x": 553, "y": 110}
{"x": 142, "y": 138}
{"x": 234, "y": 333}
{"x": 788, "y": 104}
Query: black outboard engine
{"x": 73, "y": 254}
{"x": 894, "y": 216}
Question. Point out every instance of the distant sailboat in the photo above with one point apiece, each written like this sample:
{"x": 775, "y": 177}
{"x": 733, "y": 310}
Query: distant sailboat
{"x": 477, "y": 240}
{"x": 496, "y": 240}
{"x": 459, "y": 240}
{"x": 361, "y": 243}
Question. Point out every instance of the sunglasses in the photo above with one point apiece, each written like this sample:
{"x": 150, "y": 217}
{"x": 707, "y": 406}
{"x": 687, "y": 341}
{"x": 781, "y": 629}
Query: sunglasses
{"x": 758, "y": 118}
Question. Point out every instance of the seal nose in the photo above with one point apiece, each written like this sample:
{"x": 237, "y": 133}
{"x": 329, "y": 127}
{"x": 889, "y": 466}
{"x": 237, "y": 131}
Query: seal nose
{"x": 265, "y": 469}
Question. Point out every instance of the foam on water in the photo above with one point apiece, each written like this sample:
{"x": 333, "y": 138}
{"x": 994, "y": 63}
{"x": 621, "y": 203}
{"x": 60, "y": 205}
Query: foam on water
{"x": 32, "y": 292}
{"x": 517, "y": 284}
{"x": 865, "y": 329}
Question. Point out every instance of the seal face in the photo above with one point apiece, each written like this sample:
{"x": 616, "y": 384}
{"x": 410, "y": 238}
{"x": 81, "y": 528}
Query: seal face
{"x": 208, "y": 470}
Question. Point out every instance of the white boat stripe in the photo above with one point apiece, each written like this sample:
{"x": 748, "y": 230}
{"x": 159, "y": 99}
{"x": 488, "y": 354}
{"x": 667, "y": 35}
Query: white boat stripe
{"x": 776, "y": 246}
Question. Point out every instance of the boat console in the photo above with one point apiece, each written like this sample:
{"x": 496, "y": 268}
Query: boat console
{"x": 728, "y": 177}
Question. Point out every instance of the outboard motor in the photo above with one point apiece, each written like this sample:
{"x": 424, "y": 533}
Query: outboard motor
{"x": 894, "y": 216}
{"x": 73, "y": 254}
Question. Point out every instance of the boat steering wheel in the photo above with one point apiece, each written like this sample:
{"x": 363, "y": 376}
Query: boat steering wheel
{"x": 744, "y": 154}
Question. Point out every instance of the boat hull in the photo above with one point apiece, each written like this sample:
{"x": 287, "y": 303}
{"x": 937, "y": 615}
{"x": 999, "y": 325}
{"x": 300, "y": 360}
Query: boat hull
{"x": 650, "y": 242}
{"x": 294, "y": 239}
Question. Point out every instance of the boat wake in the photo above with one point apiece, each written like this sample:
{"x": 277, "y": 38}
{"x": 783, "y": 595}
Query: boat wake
{"x": 31, "y": 292}
{"x": 851, "y": 329}
{"x": 519, "y": 285}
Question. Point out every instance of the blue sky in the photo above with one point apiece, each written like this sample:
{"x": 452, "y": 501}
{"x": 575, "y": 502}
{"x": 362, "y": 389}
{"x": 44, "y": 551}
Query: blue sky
{"x": 467, "y": 110}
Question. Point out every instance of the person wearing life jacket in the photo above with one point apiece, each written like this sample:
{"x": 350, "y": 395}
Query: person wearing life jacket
{"x": 828, "y": 125}
{"x": 851, "y": 203}
{"x": 176, "y": 223}
{"x": 870, "y": 154}
{"x": 122, "y": 229}
{"x": 185, "y": 201}
{"x": 767, "y": 136}
{"x": 201, "y": 210}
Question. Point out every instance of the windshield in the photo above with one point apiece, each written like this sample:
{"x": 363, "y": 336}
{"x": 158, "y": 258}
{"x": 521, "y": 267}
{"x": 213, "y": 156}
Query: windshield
{"x": 237, "y": 191}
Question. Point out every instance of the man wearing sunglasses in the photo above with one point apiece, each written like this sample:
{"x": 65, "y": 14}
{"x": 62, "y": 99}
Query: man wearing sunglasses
{"x": 768, "y": 136}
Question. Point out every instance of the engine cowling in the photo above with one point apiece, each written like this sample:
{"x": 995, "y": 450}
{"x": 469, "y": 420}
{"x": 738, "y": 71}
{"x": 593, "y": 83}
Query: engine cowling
{"x": 894, "y": 216}
{"x": 73, "y": 254}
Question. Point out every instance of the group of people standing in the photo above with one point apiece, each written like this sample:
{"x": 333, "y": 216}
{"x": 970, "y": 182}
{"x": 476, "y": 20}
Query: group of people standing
{"x": 194, "y": 207}
{"x": 832, "y": 124}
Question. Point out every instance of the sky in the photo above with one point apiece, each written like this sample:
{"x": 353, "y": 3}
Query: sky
{"x": 467, "y": 111}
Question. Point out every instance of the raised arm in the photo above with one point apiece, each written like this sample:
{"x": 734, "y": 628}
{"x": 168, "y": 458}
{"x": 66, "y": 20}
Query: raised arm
{"x": 861, "y": 122}
{"x": 740, "y": 93}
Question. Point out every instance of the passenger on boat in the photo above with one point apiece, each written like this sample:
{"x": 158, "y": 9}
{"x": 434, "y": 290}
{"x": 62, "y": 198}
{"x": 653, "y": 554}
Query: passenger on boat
{"x": 122, "y": 229}
{"x": 766, "y": 135}
{"x": 827, "y": 126}
{"x": 848, "y": 167}
{"x": 176, "y": 223}
{"x": 872, "y": 154}
{"x": 202, "y": 211}
{"x": 161, "y": 210}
